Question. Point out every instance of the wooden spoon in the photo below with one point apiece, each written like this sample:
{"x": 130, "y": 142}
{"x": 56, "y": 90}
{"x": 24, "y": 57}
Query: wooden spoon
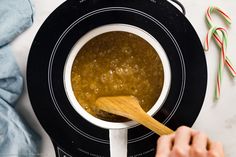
{"x": 128, "y": 106}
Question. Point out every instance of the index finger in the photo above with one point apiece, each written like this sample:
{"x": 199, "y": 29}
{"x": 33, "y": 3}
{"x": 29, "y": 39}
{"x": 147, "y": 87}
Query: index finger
{"x": 183, "y": 137}
{"x": 164, "y": 145}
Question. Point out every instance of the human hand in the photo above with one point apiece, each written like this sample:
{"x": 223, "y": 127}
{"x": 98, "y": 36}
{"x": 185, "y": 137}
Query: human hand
{"x": 186, "y": 142}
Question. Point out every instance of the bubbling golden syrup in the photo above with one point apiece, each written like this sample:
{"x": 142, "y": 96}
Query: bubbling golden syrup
{"x": 114, "y": 64}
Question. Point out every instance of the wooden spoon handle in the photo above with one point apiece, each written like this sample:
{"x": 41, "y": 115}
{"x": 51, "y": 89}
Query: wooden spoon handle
{"x": 151, "y": 123}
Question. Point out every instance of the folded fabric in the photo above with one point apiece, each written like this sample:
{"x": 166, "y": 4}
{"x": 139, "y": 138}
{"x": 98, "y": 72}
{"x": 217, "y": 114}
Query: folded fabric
{"x": 16, "y": 138}
{"x": 15, "y": 17}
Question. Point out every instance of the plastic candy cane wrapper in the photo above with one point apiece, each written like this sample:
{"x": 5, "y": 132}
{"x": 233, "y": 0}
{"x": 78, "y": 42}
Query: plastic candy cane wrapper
{"x": 221, "y": 37}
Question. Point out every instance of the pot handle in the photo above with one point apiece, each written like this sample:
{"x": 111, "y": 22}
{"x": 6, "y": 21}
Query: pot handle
{"x": 118, "y": 142}
{"x": 180, "y": 5}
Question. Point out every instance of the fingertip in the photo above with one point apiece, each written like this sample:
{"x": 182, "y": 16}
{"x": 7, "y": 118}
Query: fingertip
{"x": 186, "y": 129}
{"x": 183, "y": 127}
{"x": 215, "y": 149}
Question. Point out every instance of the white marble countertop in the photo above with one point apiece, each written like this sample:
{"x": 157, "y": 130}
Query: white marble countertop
{"x": 217, "y": 119}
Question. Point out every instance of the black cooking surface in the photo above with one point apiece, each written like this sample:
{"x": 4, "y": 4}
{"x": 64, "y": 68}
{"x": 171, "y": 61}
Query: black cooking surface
{"x": 70, "y": 133}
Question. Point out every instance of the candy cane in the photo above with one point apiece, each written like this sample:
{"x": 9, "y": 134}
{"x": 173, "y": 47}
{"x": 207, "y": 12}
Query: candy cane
{"x": 211, "y": 33}
{"x": 221, "y": 38}
{"x": 212, "y": 9}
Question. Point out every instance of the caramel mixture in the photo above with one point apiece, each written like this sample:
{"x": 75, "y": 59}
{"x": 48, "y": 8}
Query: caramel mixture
{"x": 113, "y": 64}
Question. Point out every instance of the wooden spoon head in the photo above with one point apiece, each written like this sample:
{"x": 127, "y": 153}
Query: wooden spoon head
{"x": 119, "y": 105}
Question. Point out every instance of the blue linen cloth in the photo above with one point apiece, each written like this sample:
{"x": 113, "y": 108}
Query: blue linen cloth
{"x": 16, "y": 138}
